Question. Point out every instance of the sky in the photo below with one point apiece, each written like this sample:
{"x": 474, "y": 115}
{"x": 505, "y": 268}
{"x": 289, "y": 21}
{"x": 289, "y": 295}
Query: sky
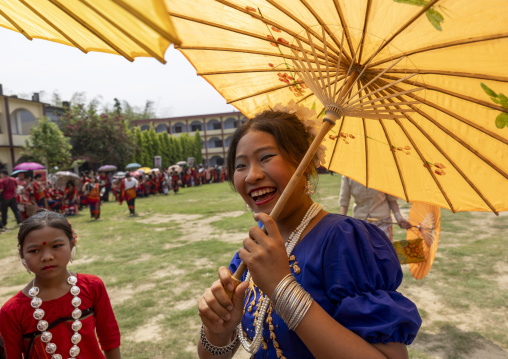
{"x": 45, "y": 67}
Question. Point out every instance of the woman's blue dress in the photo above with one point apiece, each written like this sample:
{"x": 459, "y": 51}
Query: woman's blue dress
{"x": 351, "y": 270}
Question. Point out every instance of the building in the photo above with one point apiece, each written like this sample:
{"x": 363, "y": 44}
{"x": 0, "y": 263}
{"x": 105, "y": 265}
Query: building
{"x": 216, "y": 130}
{"x": 17, "y": 116}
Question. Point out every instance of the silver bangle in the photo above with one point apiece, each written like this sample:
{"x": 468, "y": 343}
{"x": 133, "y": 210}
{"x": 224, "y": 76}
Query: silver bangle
{"x": 212, "y": 349}
{"x": 291, "y": 302}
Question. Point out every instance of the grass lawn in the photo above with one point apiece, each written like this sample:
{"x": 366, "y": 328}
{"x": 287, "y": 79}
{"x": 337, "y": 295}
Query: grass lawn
{"x": 157, "y": 264}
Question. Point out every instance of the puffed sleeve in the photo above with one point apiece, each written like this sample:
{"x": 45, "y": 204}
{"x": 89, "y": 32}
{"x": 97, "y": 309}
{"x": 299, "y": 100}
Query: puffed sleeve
{"x": 362, "y": 274}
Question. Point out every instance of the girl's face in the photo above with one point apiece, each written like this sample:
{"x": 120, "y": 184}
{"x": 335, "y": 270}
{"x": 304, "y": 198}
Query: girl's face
{"x": 47, "y": 251}
{"x": 262, "y": 173}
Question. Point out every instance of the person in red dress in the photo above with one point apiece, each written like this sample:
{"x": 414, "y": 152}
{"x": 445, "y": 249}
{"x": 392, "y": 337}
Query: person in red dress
{"x": 70, "y": 200}
{"x": 41, "y": 321}
{"x": 92, "y": 192}
{"x": 39, "y": 191}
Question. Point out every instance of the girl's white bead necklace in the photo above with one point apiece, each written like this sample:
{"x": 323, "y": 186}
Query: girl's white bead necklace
{"x": 42, "y": 325}
{"x": 293, "y": 240}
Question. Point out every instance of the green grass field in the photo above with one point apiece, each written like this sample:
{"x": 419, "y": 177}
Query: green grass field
{"x": 157, "y": 264}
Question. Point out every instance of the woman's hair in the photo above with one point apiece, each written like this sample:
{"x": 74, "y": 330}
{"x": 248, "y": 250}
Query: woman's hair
{"x": 41, "y": 219}
{"x": 287, "y": 129}
{"x": 69, "y": 182}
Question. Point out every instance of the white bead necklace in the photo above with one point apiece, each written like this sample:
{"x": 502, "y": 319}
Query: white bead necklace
{"x": 293, "y": 240}
{"x": 42, "y": 325}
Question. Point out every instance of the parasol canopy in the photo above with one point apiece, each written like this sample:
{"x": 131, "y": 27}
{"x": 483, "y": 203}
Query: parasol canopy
{"x": 419, "y": 248}
{"x": 29, "y": 166}
{"x": 415, "y": 91}
{"x": 426, "y": 222}
{"x": 119, "y": 175}
{"x": 130, "y": 28}
{"x": 175, "y": 168}
{"x": 132, "y": 166}
{"x": 107, "y": 168}
{"x": 137, "y": 173}
{"x": 144, "y": 169}
{"x": 62, "y": 177}
{"x": 15, "y": 173}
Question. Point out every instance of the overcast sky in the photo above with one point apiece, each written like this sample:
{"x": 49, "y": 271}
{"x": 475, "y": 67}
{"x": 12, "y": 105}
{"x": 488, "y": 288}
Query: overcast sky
{"x": 43, "y": 66}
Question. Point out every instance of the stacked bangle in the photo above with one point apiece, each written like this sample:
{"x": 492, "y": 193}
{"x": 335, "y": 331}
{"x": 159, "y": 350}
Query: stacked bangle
{"x": 212, "y": 348}
{"x": 291, "y": 301}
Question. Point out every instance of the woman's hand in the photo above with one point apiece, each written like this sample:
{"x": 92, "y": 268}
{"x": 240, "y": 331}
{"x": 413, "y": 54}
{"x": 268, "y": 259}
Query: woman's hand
{"x": 218, "y": 313}
{"x": 265, "y": 255}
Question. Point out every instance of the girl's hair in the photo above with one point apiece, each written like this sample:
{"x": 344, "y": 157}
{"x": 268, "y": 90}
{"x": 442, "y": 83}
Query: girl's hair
{"x": 69, "y": 182}
{"x": 287, "y": 129}
{"x": 41, "y": 219}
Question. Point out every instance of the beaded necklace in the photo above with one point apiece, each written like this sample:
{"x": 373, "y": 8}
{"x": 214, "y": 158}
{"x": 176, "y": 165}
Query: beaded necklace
{"x": 43, "y": 325}
{"x": 293, "y": 240}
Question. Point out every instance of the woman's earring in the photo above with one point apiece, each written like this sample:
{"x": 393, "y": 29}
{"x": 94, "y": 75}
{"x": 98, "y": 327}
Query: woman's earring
{"x": 26, "y": 266}
{"x": 309, "y": 189}
{"x": 73, "y": 254}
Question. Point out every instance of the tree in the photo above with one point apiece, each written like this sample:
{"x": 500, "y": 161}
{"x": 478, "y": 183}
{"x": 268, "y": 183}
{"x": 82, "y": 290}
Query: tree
{"x": 147, "y": 149}
{"x": 166, "y": 149}
{"x": 138, "y": 154}
{"x": 198, "y": 146}
{"x": 101, "y": 139}
{"x": 48, "y": 145}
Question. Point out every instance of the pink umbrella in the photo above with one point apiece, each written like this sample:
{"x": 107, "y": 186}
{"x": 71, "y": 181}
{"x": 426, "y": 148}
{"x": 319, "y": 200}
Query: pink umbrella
{"x": 29, "y": 166}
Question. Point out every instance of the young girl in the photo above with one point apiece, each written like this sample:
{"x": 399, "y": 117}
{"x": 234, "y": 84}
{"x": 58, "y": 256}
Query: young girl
{"x": 70, "y": 200}
{"x": 92, "y": 191}
{"x": 58, "y": 314}
{"x": 331, "y": 293}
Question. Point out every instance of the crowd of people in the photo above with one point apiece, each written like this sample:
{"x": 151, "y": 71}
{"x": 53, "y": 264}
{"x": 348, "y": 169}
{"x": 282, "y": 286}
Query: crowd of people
{"x": 25, "y": 193}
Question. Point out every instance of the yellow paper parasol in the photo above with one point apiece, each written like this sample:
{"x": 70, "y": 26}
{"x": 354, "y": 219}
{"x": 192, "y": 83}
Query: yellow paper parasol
{"x": 419, "y": 248}
{"x": 145, "y": 170}
{"x": 130, "y": 28}
{"x": 414, "y": 90}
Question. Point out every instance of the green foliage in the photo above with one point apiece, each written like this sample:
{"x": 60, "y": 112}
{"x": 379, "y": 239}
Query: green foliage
{"x": 501, "y": 119}
{"x": 166, "y": 149}
{"x": 432, "y": 14}
{"x": 138, "y": 157}
{"x": 435, "y": 18}
{"x": 47, "y": 144}
{"x": 156, "y": 146}
{"x": 146, "y": 148}
{"x": 101, "y": 139}
{"x": 198, "y": 146}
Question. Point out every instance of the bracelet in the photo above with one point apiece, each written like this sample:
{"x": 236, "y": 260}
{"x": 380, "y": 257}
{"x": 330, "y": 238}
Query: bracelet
{"x": 291, "y": 302}
{"x": 212, "y": 349}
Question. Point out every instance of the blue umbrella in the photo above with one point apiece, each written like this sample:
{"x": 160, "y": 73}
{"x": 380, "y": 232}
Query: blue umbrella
{"x": 18, "y": 171}
{"x": 133, "y": 166}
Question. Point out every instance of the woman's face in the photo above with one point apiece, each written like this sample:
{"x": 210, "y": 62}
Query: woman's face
{"x": 262, "y": 173}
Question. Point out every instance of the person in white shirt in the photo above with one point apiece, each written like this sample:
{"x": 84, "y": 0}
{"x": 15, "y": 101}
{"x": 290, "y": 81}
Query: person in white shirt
{"x": 128, "y": 192}
{"x": 371, "y": 206}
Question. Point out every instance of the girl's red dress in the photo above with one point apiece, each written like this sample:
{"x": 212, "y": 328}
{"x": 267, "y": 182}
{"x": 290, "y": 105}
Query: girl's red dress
{"x": 19, "y": 328}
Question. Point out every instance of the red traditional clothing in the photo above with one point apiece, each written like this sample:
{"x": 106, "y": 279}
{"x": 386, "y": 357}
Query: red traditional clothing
{"x": 39, "y": 193}
{"x": 94, "y": 200}
{"x": 70, "y": 201}
{"x": 19, "y": 328}
{"x": 128, "y": 192}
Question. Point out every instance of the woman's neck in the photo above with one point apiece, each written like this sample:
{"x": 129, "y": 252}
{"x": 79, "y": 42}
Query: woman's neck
{"x": 289, "y": 223}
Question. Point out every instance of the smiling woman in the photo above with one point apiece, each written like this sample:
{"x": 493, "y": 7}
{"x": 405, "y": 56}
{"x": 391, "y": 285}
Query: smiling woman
{"x": 313, "y": 276}
{"x": 39, "y": 318}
